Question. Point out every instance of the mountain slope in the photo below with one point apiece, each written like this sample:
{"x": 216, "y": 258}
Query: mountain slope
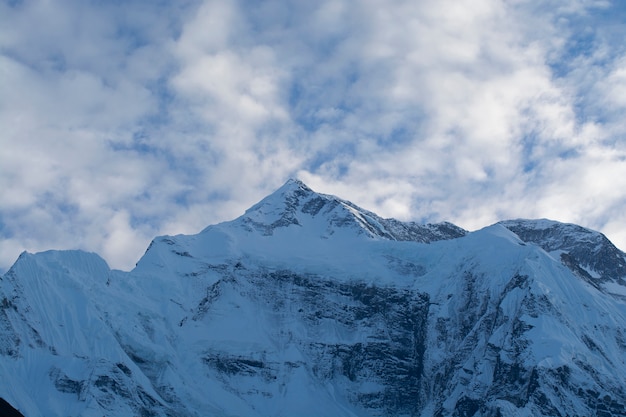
{"x": 310, "y": 305}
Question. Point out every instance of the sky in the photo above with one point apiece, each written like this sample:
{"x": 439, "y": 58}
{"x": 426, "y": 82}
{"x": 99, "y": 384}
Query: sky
{"x": 124, "y": 120}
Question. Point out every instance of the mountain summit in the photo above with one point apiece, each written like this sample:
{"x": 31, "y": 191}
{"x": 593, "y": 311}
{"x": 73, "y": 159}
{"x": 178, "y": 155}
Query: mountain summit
{"x": 309, "y": 305}
{"x": 296, "y": 204}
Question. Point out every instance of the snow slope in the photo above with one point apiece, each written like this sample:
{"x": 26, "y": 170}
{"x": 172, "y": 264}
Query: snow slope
{"x": 309, "y": 305}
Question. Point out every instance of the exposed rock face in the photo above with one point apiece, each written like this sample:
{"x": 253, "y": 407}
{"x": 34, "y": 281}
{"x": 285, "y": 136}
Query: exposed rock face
{"x": 588, "y": 254}
{"x": 7, "y": 410}
{"x": 310, "y": 305}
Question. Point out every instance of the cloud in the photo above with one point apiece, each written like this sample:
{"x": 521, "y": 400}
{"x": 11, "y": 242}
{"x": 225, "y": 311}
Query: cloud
{"x": 68, "y": 95}
{"x": 126, "y": 120}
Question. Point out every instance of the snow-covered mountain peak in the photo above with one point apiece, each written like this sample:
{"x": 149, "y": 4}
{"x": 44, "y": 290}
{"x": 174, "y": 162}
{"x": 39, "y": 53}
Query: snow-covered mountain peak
{"x": 59, "y": 267}
{"x": 296, "y": 205}
{"x": 285, "y": 207}
{"x": 550, "y": 232}
{"x": 283, "y": 198}
{"x": 309, "y": 305}
{"x": 294, "y": 222}
{"x": 587, "y": 253}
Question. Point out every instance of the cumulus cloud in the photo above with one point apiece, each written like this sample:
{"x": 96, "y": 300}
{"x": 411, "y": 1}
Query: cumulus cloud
{"x": 126, "y": 120}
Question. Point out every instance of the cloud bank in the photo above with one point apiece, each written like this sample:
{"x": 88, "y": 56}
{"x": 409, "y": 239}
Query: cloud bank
{"x": 124, "y": 120}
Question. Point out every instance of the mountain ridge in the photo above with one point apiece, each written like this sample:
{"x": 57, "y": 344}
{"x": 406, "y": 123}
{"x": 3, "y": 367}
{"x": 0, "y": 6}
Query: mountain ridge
{"x": 309, "y": 305}
{"x": 295, "y": 196}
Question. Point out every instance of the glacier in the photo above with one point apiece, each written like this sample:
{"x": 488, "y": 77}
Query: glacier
{"x": 309, "y": 305}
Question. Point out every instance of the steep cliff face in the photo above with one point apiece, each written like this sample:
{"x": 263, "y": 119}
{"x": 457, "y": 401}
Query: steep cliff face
{"x": 310, "y": 305}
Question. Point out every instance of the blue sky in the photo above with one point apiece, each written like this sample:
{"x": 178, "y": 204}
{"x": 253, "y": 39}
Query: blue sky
{"x": 126, "y": 120}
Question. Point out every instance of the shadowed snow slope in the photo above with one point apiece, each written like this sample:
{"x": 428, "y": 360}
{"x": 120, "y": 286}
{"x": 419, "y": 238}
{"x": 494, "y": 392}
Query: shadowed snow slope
{"x": 308, "y": 305}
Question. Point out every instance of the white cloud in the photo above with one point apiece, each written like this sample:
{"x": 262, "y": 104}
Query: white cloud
{"x": 123, "y": 121}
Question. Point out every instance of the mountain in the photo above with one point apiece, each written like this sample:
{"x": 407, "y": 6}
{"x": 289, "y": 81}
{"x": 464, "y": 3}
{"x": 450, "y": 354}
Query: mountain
{"x": 308, "y": 305}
